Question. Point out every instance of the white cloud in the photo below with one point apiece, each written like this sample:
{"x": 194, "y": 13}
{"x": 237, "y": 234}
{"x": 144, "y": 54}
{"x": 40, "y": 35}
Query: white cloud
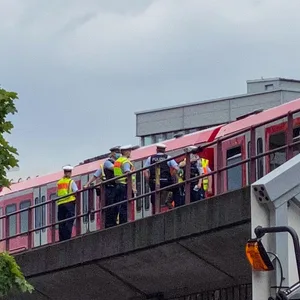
{"x": 85, "y": 57}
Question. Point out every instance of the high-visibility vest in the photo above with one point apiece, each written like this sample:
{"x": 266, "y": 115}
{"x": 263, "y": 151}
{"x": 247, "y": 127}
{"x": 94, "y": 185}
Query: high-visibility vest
{"x": 205, "y": 163}
{"x": 118, "y": 171}
{"x": 64, "y": 187}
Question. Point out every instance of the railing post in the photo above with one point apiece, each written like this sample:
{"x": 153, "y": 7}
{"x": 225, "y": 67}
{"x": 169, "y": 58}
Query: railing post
{"x": 219, "y": 165}
{"x": 53, "y": 221}
{"x": 7, "y": 235}
{"x": 129, "y": 196}
{"x": 157, "y": 187}
{"x": 289, "y": 136}
{"x": 102, "y": 212}
{"x": 78, "y": 213}
{"x": 252, "y": 155}
{"x": 187, "y": 185}
{"x": 30, "y": 222}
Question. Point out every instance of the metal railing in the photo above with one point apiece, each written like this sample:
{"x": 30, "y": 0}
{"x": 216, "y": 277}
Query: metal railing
{"x": 288, "y": 147}
{"x": 239, "y": 292}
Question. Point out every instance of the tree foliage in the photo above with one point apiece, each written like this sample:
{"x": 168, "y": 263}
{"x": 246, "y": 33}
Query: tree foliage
{"x": 7, "y": 152}
{"x": 11, "y": 277}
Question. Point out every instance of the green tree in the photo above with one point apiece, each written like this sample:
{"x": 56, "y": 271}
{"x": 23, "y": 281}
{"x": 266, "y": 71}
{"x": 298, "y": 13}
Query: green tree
{"x": 7, "y": 152}
{"x": 11, "y": 277}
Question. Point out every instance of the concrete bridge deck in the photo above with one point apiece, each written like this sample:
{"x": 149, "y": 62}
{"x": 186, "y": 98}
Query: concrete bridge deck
{"x": 189, "y": 249}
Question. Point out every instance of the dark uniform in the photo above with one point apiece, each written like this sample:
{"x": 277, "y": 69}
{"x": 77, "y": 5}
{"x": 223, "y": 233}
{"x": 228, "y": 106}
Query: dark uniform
{"x": 165, "y": 177}
{"x": 111, "y": 213}
{"x": 194, "y": 171}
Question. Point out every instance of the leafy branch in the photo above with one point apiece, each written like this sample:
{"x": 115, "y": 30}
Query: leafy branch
{"x": 11, "y": 277}
{"x": 8, "y": 153}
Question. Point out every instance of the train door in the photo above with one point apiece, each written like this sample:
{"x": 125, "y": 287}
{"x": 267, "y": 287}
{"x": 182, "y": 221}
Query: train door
{"x": 88, "y": 223}
{"x": 142, "y": 205}
{"x": 259, "y": 149}
{"x": 275, "y": 138}
{"x": 40, "y": 216}
{"x": 233, "y": 152}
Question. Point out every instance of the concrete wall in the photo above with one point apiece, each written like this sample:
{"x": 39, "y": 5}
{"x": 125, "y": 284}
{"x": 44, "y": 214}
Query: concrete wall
{"x": 258, "y": 86}
{"x": 207, "y": 113}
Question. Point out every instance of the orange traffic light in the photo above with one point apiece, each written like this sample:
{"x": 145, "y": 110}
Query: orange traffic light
{"x": 257, "y": 256}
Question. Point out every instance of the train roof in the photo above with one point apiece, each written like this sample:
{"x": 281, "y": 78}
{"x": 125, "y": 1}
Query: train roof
{"x": 259, "y": 118}
{"x": 203, "y": 136}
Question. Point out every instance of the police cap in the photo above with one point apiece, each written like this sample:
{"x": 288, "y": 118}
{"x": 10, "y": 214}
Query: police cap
{"x": 68, "y": 168}
{"x": 115, "y": 149}
{"x": 161, "y": 146}
{"x": 126, "y": 147}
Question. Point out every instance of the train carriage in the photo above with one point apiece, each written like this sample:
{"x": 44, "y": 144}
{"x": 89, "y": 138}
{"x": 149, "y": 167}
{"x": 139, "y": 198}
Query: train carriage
{"x": 235, "y": 145}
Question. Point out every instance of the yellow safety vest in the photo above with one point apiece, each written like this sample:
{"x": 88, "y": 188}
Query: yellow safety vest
{"x": 205, "y": 163}
{"x": 118, "y": 171}
{"x": 64, "y": 187}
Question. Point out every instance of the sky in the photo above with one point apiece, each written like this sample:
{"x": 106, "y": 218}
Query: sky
{"x": 82, "y": 68}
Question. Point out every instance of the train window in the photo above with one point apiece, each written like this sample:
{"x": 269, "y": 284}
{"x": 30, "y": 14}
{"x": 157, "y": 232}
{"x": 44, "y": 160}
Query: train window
{"x": 24, "y": 216}
{"x": 296, "y": 138}
{"x": 260, "y": 160}
{"x": 53, "y": 196}
{"x": 249, "y": 163}
{"x": 139, "y": 203}
{"x": 234, "y": 175}
{"x": 44, "y": 213}
{"x": 279, "y": 157}
{"x": 12, "y": 219}
{"x": 1, "y": 224}
{"x": 85, "y": 206}
{"x": 40, "y": 213}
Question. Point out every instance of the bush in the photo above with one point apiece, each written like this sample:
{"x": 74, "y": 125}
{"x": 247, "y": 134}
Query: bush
{"x": 11, "y": 277}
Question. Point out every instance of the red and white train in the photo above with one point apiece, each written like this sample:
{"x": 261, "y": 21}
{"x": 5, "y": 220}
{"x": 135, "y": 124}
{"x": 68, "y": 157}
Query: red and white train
{"x": 37, "y": 190}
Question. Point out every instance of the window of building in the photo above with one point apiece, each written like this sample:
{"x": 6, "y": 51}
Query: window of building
{"x": 169, "y": 135}
{"x": 12, "y": 219}
{"x": 279, "y": 157}
{"x": 269, "y": 87}
{"x": 158, "y": 138}
{"x": 234, "y": 175}
{"x": 147, "y": 140}
{"x": 24, "y": 216}
{"x": 193, "y": 130}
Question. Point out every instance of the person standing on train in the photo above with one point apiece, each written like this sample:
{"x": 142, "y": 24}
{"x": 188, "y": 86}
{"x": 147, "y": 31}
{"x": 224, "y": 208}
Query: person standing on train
{"x": 195, "y": 170}
{"x": 165, "y": 176}
{"x": 106, "y": 172}
{"x": 206, "y": 182}
{"x": 66, "y": 206}
{"x": 122, "y": 166}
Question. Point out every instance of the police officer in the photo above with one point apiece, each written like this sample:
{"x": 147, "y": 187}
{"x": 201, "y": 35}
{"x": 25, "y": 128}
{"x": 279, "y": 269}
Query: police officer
{"x": 205, "y": 184}
{"x": 106, "y": 172}
{"x": 122, "y": 166}
{"x": 165, "y": 177}
{"x": 66, "y": 206}
{"x": 195, "y": 170}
